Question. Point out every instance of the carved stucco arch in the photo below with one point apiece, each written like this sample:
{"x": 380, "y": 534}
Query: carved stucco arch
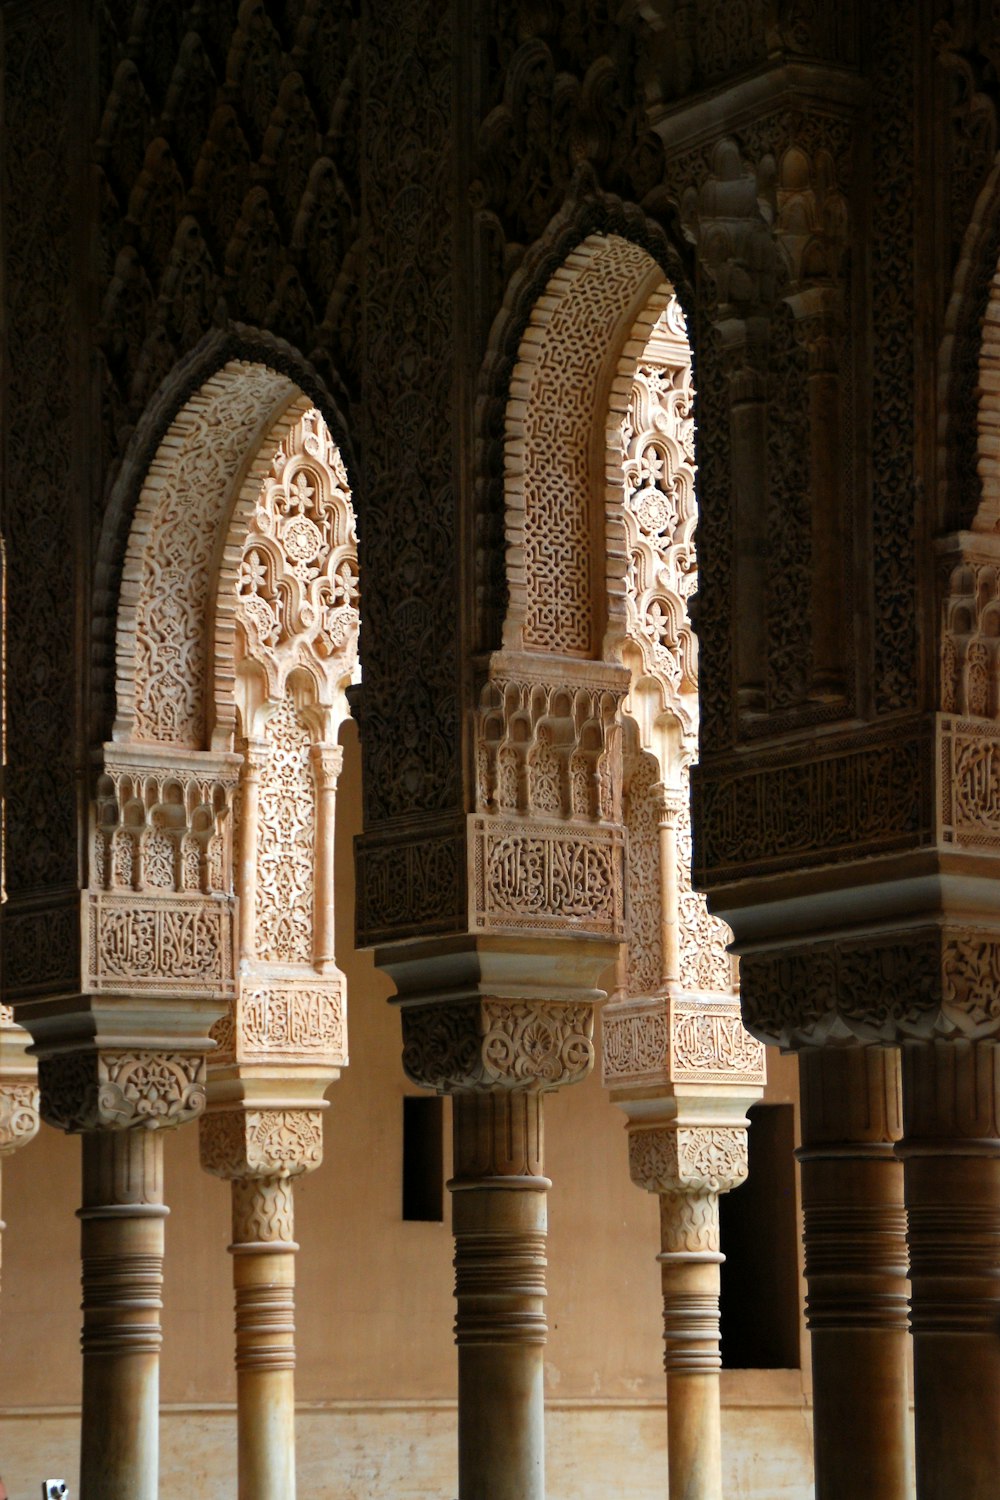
{"x": 565, "y": 551}
{"x": 969, "y": 377}
{"x": 238, "y": 345}
{"x": 586, "y": 211}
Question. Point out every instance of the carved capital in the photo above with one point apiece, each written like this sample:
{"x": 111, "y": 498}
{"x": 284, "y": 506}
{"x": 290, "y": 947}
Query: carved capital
{"x": 915, "y": 983}
{"x": 688, "y": 1159}
{"x": 507, "y": 1044}
{"x": 85, "y": 1091}
{"x": 18, "y": 1086}
{"x": 240, "y": 1142}
{"x": 19, "y": 1115}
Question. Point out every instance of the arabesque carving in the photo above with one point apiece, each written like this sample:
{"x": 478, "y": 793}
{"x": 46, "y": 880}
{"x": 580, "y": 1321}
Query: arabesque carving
{"x": 689, "y": 1160}
{"x": 109, "y": 1090}
{"x": 238, "y": 1144}
{"x": 498, "y": 1044}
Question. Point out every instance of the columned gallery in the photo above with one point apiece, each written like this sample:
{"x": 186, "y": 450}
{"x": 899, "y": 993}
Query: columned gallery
{"x": 500, "y": 943}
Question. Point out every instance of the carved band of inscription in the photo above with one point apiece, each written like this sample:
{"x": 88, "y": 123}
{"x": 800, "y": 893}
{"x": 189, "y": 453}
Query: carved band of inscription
{"x": 702, "y": 1041}
{"x": 709, "y": 1044}
{"x": 530, "y": 877}
{"x": 635, "y": 1044}
{"x": 177, "y": 943}
{"x": 120, "y": 1090}
{"x": 410, "y": 885}
{"x": 498, "y": 1044}
{"x": 969, "y": 784}
{"x": 293, "y": 1020}
{"x": 40, "y": 947}
{"x": 860, "y": 801}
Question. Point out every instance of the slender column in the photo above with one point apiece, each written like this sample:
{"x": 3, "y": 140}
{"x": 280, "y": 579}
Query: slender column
{"x": 690, "y": 1260}
{"x": 263, "y": 1252}
{"x": 122, "y": 1248}
{"x": 688, "y": 1165}
{"x": 670, "y": 935}
{"x": 951, "y": 1156}
{"x": 499, "y": 1221}
{"x": 327, "y": 763}
{"x": 255, "y": 754}
{"x": 852, "y": 1195}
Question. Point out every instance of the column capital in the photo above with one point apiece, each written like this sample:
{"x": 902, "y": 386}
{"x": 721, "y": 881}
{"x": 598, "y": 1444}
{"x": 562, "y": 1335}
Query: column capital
{"x": 498, "y": 1044}
{"x": 688, "y": 1159}
{"x": 242, "y": 1142}
{"x": 108, "y": 1089}
{"x": 19, "y": 1113}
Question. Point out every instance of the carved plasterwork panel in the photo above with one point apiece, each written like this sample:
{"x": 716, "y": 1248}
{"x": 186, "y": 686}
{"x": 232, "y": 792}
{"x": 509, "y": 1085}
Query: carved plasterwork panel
{"x": 297, "y": 589}
{"x": 163, "y": 826}
{"x": 286, "y": 843}
{"x": 530, "y": 877}
{"x": 548, "y": 742}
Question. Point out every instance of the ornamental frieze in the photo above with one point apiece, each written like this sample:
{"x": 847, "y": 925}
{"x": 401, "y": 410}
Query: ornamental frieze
{"x": 867, "y": 795}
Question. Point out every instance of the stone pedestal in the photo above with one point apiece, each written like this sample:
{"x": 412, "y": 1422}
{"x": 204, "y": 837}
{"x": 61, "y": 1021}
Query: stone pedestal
{"x": 852, "y": 1197}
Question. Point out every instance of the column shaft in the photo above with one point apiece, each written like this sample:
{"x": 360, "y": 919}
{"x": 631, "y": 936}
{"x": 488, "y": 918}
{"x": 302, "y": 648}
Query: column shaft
{"x": 499, "y": 1221}
{"x": 690, "y": 1259}
{"x": 122, "y": 1250}
{"x": 263, "y": 1252}
{"x": 852, "y": 1195}
{"x": 951, "y": 1154}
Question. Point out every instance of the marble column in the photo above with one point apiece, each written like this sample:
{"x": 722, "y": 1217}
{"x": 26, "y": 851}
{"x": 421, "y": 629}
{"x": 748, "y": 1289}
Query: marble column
{"x": 499, "y": 1222}
{"x": 122, "y": 1252}
{"x": 951, "y": 1158}
{"x": 263, "y": 1252}
{"x": 688, "y": 1165}
{"x": 852, "y": 1198}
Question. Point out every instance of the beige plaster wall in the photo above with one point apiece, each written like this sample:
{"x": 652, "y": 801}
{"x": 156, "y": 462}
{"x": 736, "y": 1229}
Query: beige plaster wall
{"x": 374, "y": 1297}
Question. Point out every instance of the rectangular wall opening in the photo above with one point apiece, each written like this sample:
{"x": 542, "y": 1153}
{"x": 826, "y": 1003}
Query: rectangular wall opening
{"x": 759, "y": 1238}
{"x": 423, "y": 1159}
